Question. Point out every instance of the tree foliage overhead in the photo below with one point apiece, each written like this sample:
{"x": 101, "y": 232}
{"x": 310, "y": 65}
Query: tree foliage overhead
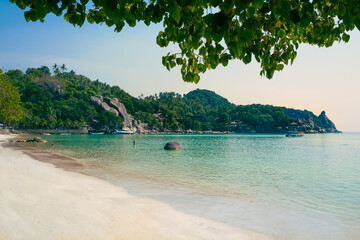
{"x": 211, "y": 33}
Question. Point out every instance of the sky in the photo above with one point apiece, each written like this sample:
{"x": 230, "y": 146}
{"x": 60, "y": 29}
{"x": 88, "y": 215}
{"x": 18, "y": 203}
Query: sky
{"x": 320, "y": 78}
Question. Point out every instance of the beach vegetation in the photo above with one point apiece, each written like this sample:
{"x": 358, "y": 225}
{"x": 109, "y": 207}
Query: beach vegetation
{"x": 11, "y": 111}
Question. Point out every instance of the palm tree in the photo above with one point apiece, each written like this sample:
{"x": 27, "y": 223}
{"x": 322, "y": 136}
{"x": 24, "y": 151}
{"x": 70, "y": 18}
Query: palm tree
{"x": 63, "y": 68}
{"x": 56, "y": 69}
{"x": 51, "y": 114}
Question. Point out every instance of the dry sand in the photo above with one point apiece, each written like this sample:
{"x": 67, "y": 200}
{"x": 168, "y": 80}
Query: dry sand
{"x": 39, "y": 201}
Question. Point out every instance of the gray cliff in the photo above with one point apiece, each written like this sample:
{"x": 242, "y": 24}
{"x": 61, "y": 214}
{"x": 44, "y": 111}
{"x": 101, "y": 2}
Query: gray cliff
{"x": 112, "y": 105}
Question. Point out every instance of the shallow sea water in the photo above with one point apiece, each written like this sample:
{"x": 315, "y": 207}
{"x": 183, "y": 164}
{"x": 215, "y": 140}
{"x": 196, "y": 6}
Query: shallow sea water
{"x": 288, "y": 188}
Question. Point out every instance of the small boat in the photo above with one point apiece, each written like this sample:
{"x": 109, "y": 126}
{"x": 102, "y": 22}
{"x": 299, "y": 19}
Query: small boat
{"x": 298, "y": 134}
{"x": 65, "y": 134}
{"x": 96, "y": 133}
{"x": 122, "y": 131}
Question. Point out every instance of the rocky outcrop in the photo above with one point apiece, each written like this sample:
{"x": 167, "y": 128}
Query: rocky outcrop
{"x": 308, "y": 122}
{"x": 112, "y": 105}
{"x": 51, "y": 84}
{"x": 327, "y": 123}
{"x": 32, "y": 140}
{"x": 98, "y": 101}
{"x": 120, "y": 108}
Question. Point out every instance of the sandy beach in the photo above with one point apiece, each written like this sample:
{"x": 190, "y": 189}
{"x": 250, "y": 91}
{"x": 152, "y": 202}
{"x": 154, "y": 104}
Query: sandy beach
{"x": 40, "y": 201}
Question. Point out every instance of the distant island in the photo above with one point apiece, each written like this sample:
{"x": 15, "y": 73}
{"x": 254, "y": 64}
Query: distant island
{"x": 68, "y": 101}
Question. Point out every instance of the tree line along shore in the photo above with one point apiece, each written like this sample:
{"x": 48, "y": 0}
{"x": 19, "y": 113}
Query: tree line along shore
{"x": 63, "y": 101}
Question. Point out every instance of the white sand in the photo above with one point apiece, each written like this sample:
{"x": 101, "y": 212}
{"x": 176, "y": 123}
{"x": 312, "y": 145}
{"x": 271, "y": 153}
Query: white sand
{"x": 39, "y": 201}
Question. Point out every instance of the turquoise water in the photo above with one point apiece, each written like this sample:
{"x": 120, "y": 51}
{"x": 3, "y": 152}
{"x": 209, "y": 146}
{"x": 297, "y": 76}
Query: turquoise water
{"x": 289, "y": 188}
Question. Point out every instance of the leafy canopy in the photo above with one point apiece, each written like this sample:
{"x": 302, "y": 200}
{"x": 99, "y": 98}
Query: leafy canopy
{"x": 10, "y": 109}
{"x": 210, "y": 33}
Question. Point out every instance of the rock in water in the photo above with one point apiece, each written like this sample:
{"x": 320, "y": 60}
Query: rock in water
{"x": 36, "y": 139}
{"x": 173, "y": 146}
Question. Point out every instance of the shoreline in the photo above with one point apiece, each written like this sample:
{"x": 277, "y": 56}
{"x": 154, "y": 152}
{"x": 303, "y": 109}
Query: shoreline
{"x": 151, "y": 132}
{"x": 45, "y": 202}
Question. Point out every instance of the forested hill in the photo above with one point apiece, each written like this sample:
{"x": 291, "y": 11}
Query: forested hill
{"x": 62, "y": 100}
{"x": 207, "y": 98}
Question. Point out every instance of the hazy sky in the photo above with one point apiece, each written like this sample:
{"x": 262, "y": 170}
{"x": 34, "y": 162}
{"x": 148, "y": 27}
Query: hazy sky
{"x": 320, "y": 78}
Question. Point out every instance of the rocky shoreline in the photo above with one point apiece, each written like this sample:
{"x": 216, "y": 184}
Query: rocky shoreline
{"x": 301, "y": 123}
{"x": 82, "y": 131}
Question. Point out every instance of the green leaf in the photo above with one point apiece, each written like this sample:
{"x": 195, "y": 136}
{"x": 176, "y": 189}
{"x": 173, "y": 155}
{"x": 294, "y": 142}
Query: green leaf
{"x": 357, "y": 23}
{"x": 196, "y": 78}
{"x": 202, "y": 51}
{"x": 294, "y": 16}
{"x": 217, "y": 37}
{"x": 119, "y": 26}
{"x": 27, "y": 16}
{"x": 21, "y": 5}
{"x": 280, "y": 67}
{"x": 346, "y": 37}
{"x": 40, "y": 11}
{"x": 258, "y": 3}
{"x": 248, "y": 35}
{"x": 247, "y": 58}
{"x": 224, "y": 61}
{"x": 347, "y": 21}
{"x": 90, "y": 19}
{"x": 167, "y": 65}
{"x": 207, "y": 33}
{"x": 130, "y": 19}
{"x": 281, "y": 33}
{"x": 237, "y": 51}
{"x": 305, "y": 21}
{"x": 269, "y": 73}
{"x": 175, "y": 12}
{"x": 307, "y": 8}
{"x": 84, "y": 2}
{"x": 341, "y": 10}
{"x": 251, "y": 12}
{"x": 179, "y": 61}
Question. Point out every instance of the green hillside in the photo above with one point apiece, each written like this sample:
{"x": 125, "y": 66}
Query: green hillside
{"x": 62, "y": 100}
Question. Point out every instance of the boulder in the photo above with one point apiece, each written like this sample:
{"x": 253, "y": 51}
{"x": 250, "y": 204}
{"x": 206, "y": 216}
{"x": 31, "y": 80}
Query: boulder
{"x": 114, "y": 103}
{"x": 173, "y": 146}
{"x": 100, "y": 97}
{"x": 97, "y": 101}
{"x": 113, "y": 110}
{"x": 51, "y": 84}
